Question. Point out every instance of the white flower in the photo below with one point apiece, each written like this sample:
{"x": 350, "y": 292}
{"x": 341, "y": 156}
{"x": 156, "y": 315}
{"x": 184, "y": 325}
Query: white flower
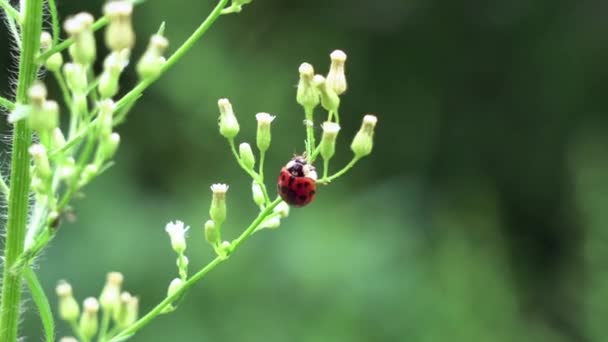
{"x": 177, "y": 232}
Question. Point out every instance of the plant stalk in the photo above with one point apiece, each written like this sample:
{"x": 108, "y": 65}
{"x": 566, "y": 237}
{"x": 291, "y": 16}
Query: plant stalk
{"x": 20, "y": 176}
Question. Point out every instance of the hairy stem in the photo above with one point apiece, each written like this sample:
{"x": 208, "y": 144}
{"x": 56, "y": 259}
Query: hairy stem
{"x": 20, "y": 176}
{"x": 6, "y": 103}
{"x": 42, "y": 303}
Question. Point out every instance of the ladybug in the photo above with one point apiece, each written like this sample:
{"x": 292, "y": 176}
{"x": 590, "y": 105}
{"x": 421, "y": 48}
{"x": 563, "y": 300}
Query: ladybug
{"x": 297, "y": 182}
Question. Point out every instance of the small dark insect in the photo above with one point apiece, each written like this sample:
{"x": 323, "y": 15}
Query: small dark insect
{"x": 297, "y": 182}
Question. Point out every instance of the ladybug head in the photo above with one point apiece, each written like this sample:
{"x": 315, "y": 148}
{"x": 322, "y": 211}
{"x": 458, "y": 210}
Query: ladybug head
{"x": 299, "y": 167}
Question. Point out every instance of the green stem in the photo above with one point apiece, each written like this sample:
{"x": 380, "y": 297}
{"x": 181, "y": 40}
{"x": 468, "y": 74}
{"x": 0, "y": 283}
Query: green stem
{"x": 42, "y": 303}
{"x": 176, "y": 56}
{"x": 310, "y": 134}
{"x": 11, "y": 11}
{"x": 103, "y": 328}
{"x": 341, "y": 172}
{"x": 6, "y": 103}
{"x": 158, "y": 309}
{"x": 326, "y": 167}
{"x": 54, "y": 21}
{"x": 20, "y": 176}
{"x": 67, "y": 98}
{"x": 76, "y": 331}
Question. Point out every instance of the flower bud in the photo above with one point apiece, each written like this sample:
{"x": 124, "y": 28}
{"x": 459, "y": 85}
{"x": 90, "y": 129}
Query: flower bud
{"x": 307, "y": 95}
{"x": 107, "y": 147}
{"x": 229, "y": 126}
{"x": 112, "y": 68}
{"x": 258, "y": 194}
{"x": 336, "y": 80}
{"x": 127, "y": 312}
{"x": 68, "y": 307}
{"x": 364, "y": 139}
{"x": 88, "y": 321}
{"x": 327, "y": 146}
{"x": 217, "y": 212}
{"x": 76, "y": 77}
{"x": 177, "y": 233}
{"x": 54, "y": 61}
{"x": 329, "y": 99}
{"x": 151, "y": 62}
{"x": 119, "y": 34}
{"x": 273, "y": 222}
{"x": 57, "y": 139}
{"x": 68, "y": 169}
{"x": 263, "y": 134}
{"x": 41, "y": 160}
{"x": 90, "y": 171}
{"x": 246, "y": 155}
{"x": 37, "y": 94}
{"x": 212, "y": 234}
{"x": 110, "y": 295}
{"x": 282, "y": 209}
{"x": 44, "y": 119}
{"x": 79, "y": 27}
{"x": 174, "y": 286}
{"x": 106, "y": 112}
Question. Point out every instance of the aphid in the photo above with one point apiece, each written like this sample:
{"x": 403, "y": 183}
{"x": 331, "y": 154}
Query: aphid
{"x": 297, "y": 182}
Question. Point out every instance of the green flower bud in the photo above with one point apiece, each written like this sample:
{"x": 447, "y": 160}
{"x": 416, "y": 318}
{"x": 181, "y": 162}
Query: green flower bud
{"x": 44, "y": 119}
{"x": 54, "y": 61}
{"x": 174, "y": 286}
{"x": 263, "y": 135}
{"x": 112, "y": 68}
{"x": 177, "y": 233}
{"x": 79, "y": 27}
{"x": 229, "y": 126}
{"x": 151, "y": 62}
{"x": 88, "y": 320}
{"x": 212, "y": 233}
{"x": 329, "y": 99}
{"x": 41, "y": 161}
{"x": 364, "y": 139}
{"x": 37, "y": 94}
{"x": 76, "y": 77}
{"x": 119, "y": 34}
{"x": 258, "y": 194}
{"x": 106, "y": 112}
{"x": 336, "y": 80}
{"x": 90, "y": 171}
{"x": 68, "y": 169}
{"x": 217, "y": 212}
{"x": 108, "y": 146}
{"x": 327, "y": 146}
{"x": 110, "y": 295}
{"x": 307, "y": 95}
{"x": 273, "y": 222}
{"x": 246, "y": 155}
{"x": 57, "y": 139}
{"x": 127, "y": 310}
{"x": 68, "y": 307}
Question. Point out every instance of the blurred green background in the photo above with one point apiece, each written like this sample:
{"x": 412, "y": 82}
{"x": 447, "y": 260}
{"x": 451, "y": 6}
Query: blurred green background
{"x": 480, "y": 216}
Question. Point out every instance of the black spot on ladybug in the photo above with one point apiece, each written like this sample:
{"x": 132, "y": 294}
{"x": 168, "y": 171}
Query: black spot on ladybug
{"x": 284, "y": 189}
{"x": 303, "y": 198}
{"x": 306, "y": 185}
{"x": 312, "y": 193}
{"x": 299, "y": 185}
{"x": 291, "y": 179}
{"x": 283, "y": 178}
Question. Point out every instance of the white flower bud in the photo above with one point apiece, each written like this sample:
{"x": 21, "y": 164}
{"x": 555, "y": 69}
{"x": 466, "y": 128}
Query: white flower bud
{"x": 258, "y": 194}
{"x": 68, "y": 306}
{"x": 327, "y": 146}
{"x": 119, "y": 34}
{"x": 229, "y": 126}
{"x": 110, "y": 295}
{"x": 41, "y": 160}
{"x": 174, "y": 286}
{"x": 364, "y": 139}
{"x": 263, "y": 135}
{"x": 177, "y": 233}
{"x": 217, "y": 211}
{"x": 336, "y": 79}
{"x": 246, "y": 155}
{"x": 88, "y": 321}
{"x": 282, "y": 209}
{"x": 329, "y": 99}
{"x": 54, "y": 61}
{"x": 79, "y": 27}
{"x": 307, "y": 95}
{"x": 151, "y": 62}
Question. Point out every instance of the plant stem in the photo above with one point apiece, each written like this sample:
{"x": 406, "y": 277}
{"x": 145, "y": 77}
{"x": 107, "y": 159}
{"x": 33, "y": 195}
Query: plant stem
{"x": 42, "y": 303}
{"x": 341, "y": 172}
{"x": 54, "y": 21}
{"x": 256, "y": 177}
{"x": 20, "y": 176}
{"x": 310, "y": 134}
{"x": 105, "y": 324}
{"x": 99, "y": 23}
{"x": 176, "y": 56}
{"x": 158, "y": 309}
{"x": 11, "y": 11}
{"x": 6, "y": 103}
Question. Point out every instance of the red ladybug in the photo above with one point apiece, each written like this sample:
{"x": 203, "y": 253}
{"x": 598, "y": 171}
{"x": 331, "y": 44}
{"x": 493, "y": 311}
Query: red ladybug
{"x": 297, "y": 182}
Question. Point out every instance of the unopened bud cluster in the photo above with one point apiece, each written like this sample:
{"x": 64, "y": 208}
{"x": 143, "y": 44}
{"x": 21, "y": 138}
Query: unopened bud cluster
{"x": 120, "y": 306}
